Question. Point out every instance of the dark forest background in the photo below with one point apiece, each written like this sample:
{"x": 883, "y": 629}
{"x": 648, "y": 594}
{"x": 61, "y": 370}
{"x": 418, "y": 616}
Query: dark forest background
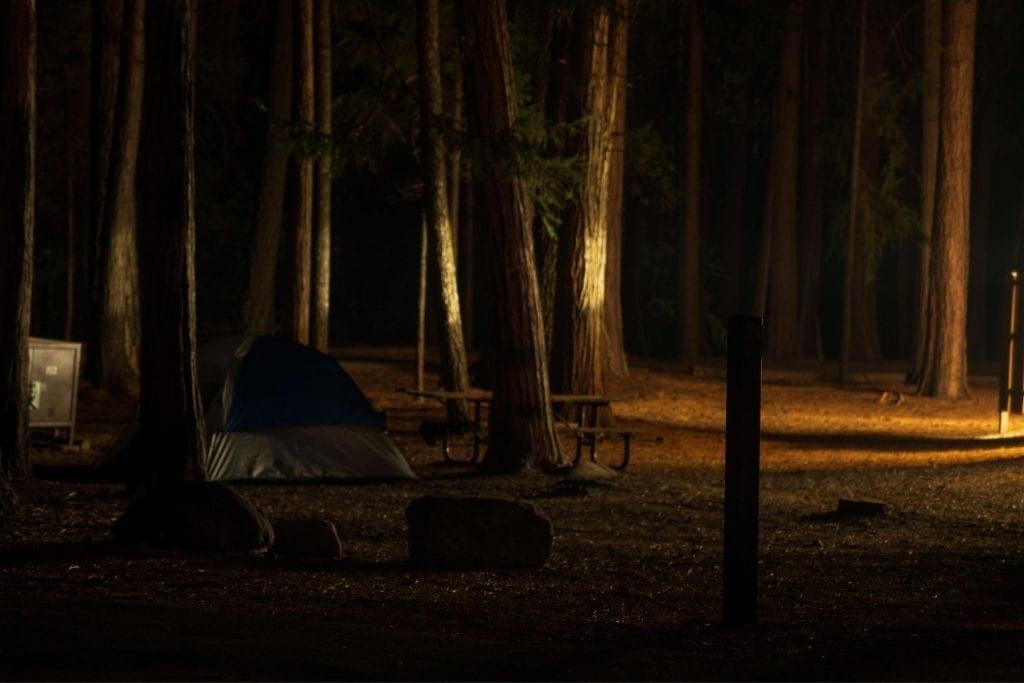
{"x": 377, "y": 209}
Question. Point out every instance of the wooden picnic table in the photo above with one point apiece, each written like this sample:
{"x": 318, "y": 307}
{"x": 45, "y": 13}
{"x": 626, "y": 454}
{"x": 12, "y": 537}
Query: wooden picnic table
{"x": 583, "y": 409}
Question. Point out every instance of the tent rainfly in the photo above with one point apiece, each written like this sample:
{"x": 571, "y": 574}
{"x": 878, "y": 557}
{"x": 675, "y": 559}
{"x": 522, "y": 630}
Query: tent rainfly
{"x": 281, "y": 410}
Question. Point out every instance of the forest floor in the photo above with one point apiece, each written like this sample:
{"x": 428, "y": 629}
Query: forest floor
{"x": 933, "y": 589}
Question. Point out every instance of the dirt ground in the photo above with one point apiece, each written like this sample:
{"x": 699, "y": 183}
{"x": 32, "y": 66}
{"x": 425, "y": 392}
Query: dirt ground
{"x": 931, "y": 590}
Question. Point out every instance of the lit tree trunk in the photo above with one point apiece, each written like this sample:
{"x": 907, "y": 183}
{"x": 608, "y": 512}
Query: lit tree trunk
{"x": 813, "y": 184}
{"x": 322, "y": 207}
{"x": 932, "y": 38}
{"x": 258, "y": 309}
{"x": 119, "y": 305}
{"x": 577, "y": 357}
{"x": 945, "y": 369}
{"x": 303, "y": 227}
{"x": 522, "y": 429}
{"x": 454, "y": 367}
{"x": 616, "y": 364}
{"x": 17, "y": 225}
{"x": 688, "y": 316}
{"x": 782, "y": 310}
{"x": 171, "y": 431}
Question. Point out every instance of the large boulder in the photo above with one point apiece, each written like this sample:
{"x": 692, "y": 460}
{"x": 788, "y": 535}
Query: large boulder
{"x": 306, "y": 539}
{"x": 196, "y": 515}
{"x": 477, "y": 533}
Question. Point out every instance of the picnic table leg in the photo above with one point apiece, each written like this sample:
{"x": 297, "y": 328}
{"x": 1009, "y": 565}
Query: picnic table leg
{"x": 476, "y": 430}
{"x": 593, "y": 434}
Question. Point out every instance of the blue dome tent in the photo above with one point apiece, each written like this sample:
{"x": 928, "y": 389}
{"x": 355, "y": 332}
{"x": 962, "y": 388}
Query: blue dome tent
{"x": 281, "y": 410}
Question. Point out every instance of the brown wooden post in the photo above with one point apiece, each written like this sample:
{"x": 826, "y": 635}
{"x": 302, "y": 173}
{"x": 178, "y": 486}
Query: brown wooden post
{"x": 742, "y": 465}
{"x": 1011, "y": 379}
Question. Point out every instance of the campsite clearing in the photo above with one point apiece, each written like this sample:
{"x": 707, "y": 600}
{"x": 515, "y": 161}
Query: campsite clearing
{"x": 932, "y": 589}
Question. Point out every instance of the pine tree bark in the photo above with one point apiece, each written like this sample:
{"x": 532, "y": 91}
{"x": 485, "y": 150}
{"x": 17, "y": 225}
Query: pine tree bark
{"x": 107, "y": 26}
{"x": 688, "y": 317}
{"x": 783, "y": 300}
{"x": 812, "y": 206}
{"x": 258, "y": 308}
{"x": 302, "y": 271}
{"x": 119, "y": 304}
{"x": 932, "y": 80}
{"x": 865, "y": 344}
{"x": 171, "y": 431}
{"x": 17, "y": 227}
{"x": 322, "y": 188}
{"x": 945, "y": 369}
{"x": 616, "y": 363}
{"x": 454, "y": 366}
{"x": 849, "y": 268}
{"x": 521, "y": 430}
{"x": 577, "y": 357}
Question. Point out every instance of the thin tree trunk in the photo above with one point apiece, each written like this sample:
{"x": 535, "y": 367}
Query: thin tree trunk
{"x": 522, "y": 428}
{"x": 783, "y": 299}
{"x": 322, "y": 207}
{"x": 258, "y": 308}
{"x": 932, "y": 38}
{"x": 851, "y": 235}
{"x": 454, "y": 366}
{"x": 69, "y": 274}
{"x": 865, "y": 344}
{"x": 688, "y": 317}
{"x": 119, "y": 308}
{"x": 17, "y": 227}
{"x": 303, "y": 228}
{"x": 421, "y": 307}
{"x": 616, "y": 364}
{"x": 108, "y": 23}
{"x": 813, "y": 177}
{"x": 945, "y": 374}
{"x": 171, "y": 430}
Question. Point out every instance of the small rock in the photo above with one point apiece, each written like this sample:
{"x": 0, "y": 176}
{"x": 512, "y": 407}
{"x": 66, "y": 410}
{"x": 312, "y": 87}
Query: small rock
{"x": 477, "y": 532}
{"x": 306, "y": 539}
{"x": 859, "y": 508}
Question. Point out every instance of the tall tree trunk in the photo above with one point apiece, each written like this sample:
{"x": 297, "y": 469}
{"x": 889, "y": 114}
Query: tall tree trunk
{"x": 170, "y": 415}
{"x": 108, "y": 24}
{"x": 322, "y": 207}
{"x": 258, "y": 308}
{"x": 616, "y": 364}
{"x": 849, "y": 270}
{"x": 119, "y": 306}
{"x": 812, "y": 209}
{"x": 577, "y": 357}
{"x": 945, "y": 370}
{"x": 688, "y": 316}
{"x": 454, "y": 366}
{"x": 932, "y": 80}
{"x": 984, "y": 151}
{"x": 17, "y": 226}
{"x": 303, "y": 224}
{"x": 783, "y": 300}
{"x": 522, "y": 428}
{"x": 864, "y": 339}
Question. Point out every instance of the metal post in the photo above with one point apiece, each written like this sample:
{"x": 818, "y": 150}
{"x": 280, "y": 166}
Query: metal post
{"x": 742, "y": 464}
{"x": 1011, "y": 393}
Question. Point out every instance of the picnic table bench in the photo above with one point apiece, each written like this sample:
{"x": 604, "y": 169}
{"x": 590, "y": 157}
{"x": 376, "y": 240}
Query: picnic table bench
{"x": 582, "y": 422}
